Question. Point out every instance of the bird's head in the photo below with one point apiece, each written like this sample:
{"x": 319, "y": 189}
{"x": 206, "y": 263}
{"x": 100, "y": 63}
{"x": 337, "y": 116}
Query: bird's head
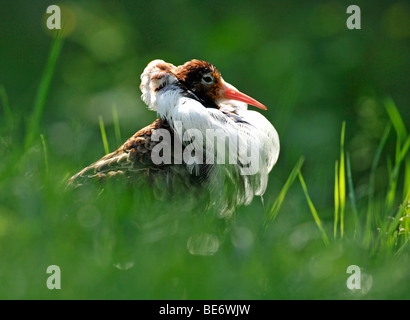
{"x": 205, "y": 80}
{"x": 200, "y": 77}
{"x": 157, "y": 74}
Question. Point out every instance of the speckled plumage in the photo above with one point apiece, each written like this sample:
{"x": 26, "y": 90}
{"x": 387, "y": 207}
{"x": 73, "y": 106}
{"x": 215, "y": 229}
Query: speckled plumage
{"x": 132, "y": 157}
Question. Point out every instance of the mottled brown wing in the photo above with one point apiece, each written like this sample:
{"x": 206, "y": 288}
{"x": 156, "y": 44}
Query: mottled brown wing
{"x": 133, "y": 156}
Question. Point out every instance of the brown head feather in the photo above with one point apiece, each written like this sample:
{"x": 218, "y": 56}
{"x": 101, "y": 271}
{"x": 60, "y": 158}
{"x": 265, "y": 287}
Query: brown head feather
{"x": 192, "y": 73}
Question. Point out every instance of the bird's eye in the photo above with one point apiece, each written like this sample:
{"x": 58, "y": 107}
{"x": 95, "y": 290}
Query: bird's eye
{"x": 207, "y": 79}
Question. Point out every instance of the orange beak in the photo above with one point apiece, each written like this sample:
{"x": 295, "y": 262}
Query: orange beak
{"x": 230, "y": 93}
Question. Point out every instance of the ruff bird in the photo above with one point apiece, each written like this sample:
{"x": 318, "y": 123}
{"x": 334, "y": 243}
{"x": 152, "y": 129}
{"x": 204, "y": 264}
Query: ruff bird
{"x": 204, "y": 133}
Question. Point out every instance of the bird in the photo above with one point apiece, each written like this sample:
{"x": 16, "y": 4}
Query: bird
{"x": 193, "y": 102}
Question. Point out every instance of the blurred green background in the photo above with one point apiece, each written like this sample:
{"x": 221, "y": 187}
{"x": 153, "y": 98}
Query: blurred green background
{"x": 298, "y": 58}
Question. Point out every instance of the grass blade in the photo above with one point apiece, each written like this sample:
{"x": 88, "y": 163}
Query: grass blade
{"x": 43, "y": 142}
{"x": 352, "y": 196}
{"x": 405, "y": 149}
{"x": 372, "y": 181}
{"x": 406, "y": 190}
{"x": 33, "y": 126}
{"x": 117, "y": 129}
{"x": 337, "y": 198}
{"x": 400, "y": 213}
{"x": 342, "y": 179}
{"x": 271, "y": 216}
{"x": 313, "y": 210}
{"x": 395, "y": 119}
{"x": 103, "y": 135}
{"x": 394, "y": 177}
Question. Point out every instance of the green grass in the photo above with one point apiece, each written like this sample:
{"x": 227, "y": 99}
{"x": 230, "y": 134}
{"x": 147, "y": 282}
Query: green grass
{"x": 340, "y": 187}
{"x": 342, "y": 180}
{"x": 33, "y": 126}
{"x": 313, "y": 210}
{"x": 370, "y": 216}
{"x": 352, "y": 196}
{"x": 121, "y": 243}
{"x": 117, "y": 128}
{"x": 274, "y": 211}
{"x": 103, "y": 135}
{"x": 336, "y": 200}
{"x": 43, "y": 142}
